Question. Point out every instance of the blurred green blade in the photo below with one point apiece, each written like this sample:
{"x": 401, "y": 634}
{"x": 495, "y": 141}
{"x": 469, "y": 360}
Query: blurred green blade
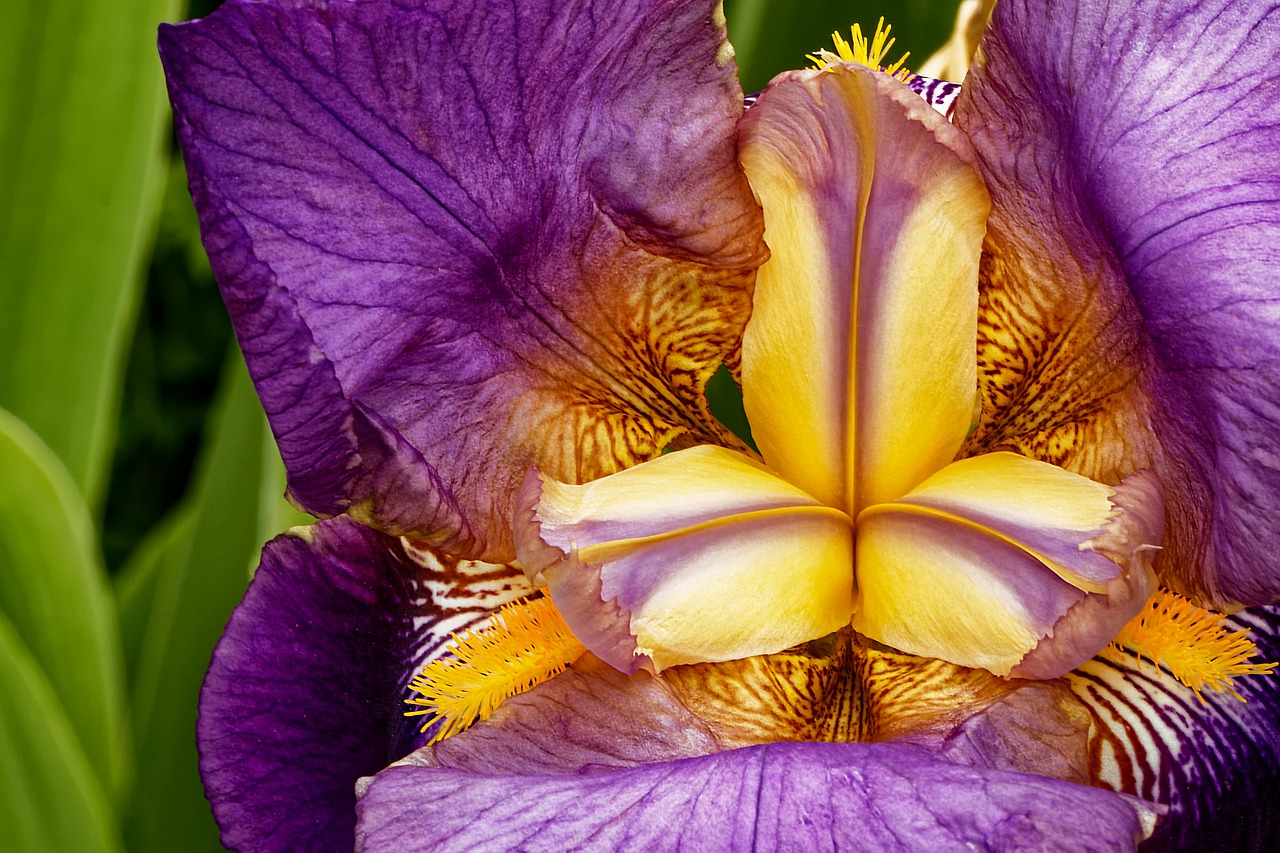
{"x": 166, "y": 544}
{"x": 54, "y": 592}
{"x": 82, "y": 115}
{"x": 50, "y": 799}
{"x": 200, "y": 577}
{"x": 771, "y": 36}
{"x": 275, "y": 514}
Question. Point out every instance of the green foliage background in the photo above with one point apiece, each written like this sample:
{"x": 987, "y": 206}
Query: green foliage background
{"x": 138, "y": 479}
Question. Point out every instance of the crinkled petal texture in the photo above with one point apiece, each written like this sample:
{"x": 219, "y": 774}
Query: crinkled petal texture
{"x": 858, "y": 364}
{"x": 699, "y": 555}
{"x": 1130, "y": 314}
{"x": 306, "y": 690}
{"x": 991, "y": 555}
{"x": 460, "y": 238}
{"x": 793, "y": 796}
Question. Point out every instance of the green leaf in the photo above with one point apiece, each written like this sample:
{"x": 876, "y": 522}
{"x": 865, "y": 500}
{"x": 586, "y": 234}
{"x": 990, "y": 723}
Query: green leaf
{"x": 53, "y": 589}
{"x": 724, "y": 398}
{"x": 771, "y": 36}
{"x": 50, "y": 798}
{"x": 275, "y": 514}
{"x": 136, "y": 584}
{"x": 201, "y": 575}
{"x": 82, "y": 118}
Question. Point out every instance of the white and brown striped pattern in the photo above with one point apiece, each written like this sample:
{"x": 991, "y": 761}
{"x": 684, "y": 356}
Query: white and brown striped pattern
{"x": 940, "y": 94}
{"x": 1218, "y": 760}
{"x": 450, "y": 595}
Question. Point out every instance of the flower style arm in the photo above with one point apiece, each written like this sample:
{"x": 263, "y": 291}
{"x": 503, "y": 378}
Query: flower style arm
{"x": 700, "y": 555}
{"x": 1007, "y": 563}
{"x": 858, "y": 363}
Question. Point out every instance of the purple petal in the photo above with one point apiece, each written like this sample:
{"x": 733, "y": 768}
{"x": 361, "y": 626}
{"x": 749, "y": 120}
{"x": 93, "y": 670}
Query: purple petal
{"x": 1039, "y": 728}
{"x": 460, "y": 238}
{"x": 587, "y": 719}
{"x": 1133, "y": 317}
{"x": 305, "y": 692}
{"x": 800, "y": 796}
{"x": 1215, "y": 764}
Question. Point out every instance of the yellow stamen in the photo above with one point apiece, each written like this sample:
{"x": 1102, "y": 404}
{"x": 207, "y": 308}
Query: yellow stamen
{"x": 863, "y": 52}
{"x": 521, "y": 646}
{"x": 1190, "y": 642}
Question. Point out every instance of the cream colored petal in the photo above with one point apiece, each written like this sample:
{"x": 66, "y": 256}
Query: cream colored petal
{"x": 1049, "y": 512}
{"x": 697, "y": 556}
{"x": 931, "y": 587}
{"x": 673, "y": 492}
{"x": 951, "y": 61}
{"x": 991, "y": 556}
{"x": 743, "y": 587}
{"x": 859, "y": 370}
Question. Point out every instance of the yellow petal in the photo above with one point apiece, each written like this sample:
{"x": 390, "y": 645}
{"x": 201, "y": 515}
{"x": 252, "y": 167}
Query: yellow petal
{"x": 859, "y": 368}
{"x": 951, "y": 61}
{"x": 737, "y": 588}
{"x": 675, "y": 491}
{"x": 992, "y": 555}
{"x": 1051, "y": 513}
{"x": 701, "y": 555}
{"x": 934, "y": 588}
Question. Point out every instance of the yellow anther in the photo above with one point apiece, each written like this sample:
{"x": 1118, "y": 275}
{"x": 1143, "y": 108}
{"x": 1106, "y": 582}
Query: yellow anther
{"x": 1191, "y": 643}
{"x": 521, "y": 646}
{"x": 862, "y": 51}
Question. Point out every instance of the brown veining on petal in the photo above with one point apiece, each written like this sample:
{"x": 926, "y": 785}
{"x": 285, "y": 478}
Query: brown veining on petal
{"x": 973, "y": 717}
{"x": 1060, "y": 370}
{"x": 639, "y": 381}
{"x": 807, "y": 694}
{"x": 1067, "y": 372}
{"x": 911, "y": 696}
{"x": 455, "y": 594}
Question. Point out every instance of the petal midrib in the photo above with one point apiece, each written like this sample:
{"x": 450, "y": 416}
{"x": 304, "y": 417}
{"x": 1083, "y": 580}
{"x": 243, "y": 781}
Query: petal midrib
{"x": 1073, "y": 578}
{"x": 608, "y": 551}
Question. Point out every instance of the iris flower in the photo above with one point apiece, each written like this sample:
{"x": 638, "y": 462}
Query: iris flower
{"x": 482, "y": 260}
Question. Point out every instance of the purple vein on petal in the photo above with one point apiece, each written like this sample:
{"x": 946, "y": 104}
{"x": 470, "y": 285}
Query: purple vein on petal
{"x": 488, "y": 256}
{"x": 1132, "y": 318}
